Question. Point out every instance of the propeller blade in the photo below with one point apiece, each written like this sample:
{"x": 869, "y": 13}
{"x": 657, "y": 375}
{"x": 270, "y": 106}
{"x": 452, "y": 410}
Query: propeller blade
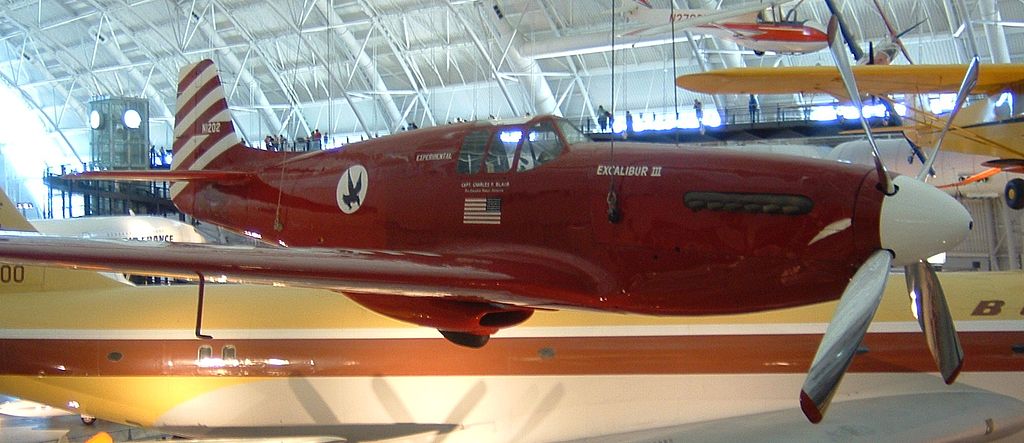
{"x": 907, "y": 31}
{"x": 844, "y": 334}
{"x": 851, "y": 88}
{"x": 851, "y": 42}
{"x": 970, "y": 79}
{"x": 885, "y": 18}
{"x": 893, "y": 35}
{"x": 935, "y": 320}
{"x": 903, "y": 48}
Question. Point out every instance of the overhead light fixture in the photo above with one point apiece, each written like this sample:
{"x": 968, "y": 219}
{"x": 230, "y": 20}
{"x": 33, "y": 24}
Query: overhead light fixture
{"x": 132, "y": 119}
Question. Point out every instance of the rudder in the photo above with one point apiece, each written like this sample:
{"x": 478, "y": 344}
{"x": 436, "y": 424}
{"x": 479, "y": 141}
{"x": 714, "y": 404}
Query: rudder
{"x": 204, "y": 134}
{"x": 203, "y": 130}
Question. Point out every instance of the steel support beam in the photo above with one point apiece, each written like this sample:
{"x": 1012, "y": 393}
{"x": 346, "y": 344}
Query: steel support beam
{"x": 994, "y": 32}
{"x": 486, "y": 56}
{"x": 544, "y": 101}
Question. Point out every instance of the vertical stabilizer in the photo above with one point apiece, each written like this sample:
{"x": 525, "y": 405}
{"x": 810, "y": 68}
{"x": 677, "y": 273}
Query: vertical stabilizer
{"x": 16, "y": 278}
{"x": 204, "y": 135}
{"x": 10, "y": 218}
{"x": 203, "y": 130}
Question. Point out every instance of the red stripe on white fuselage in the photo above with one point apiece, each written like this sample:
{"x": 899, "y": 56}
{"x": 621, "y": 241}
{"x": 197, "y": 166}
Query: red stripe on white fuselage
{"x": 779, "y": 38}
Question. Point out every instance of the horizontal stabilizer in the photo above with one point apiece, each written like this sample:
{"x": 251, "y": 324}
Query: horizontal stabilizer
{"x": 161, "y": 175}
{"x": 1007, "y": 164}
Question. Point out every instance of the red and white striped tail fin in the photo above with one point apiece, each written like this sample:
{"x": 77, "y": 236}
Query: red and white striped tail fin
{"x": 204, "y": 135}
{"x": 203, "y": 130}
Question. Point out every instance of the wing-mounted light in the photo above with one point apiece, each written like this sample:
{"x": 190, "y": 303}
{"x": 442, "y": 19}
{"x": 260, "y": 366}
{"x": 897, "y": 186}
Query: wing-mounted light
{"x": 466, "y": 323}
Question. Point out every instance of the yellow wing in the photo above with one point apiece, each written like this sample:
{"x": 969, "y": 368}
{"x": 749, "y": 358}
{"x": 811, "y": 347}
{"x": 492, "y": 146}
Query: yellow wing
{"x": 871, "y": 79}
{"x": 973, "y": 131}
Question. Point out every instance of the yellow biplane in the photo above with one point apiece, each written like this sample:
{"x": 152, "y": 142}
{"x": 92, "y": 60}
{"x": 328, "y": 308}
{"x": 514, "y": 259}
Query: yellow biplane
{"x": 988, "y": 126}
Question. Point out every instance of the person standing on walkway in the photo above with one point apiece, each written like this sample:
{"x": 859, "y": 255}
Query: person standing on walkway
{"x": 753, "y": 107}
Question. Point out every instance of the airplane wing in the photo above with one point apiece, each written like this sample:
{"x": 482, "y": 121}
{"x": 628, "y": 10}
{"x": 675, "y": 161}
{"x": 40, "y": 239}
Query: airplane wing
{"x": 486, "y": 275}
{"x": 646, "y": 18}
{"x": 871, "y": 79}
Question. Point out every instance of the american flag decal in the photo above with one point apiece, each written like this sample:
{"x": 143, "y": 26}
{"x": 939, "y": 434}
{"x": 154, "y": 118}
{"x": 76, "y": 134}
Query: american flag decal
{"x": 482, "y": 211}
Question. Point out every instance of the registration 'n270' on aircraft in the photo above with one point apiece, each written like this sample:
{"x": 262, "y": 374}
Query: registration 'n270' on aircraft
{"x": 761, "y": 27}
{"x": 470, "y": 228}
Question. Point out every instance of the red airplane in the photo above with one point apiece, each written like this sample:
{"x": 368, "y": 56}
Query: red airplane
{"x": 469, "y": 228}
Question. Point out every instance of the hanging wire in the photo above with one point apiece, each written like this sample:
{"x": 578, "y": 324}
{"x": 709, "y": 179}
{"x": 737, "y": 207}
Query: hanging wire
{"x": 675, "y": 73}
{"x": 612, "y": 106}
{"x": 614, "y": 214}
{"x": 327, "y": 75}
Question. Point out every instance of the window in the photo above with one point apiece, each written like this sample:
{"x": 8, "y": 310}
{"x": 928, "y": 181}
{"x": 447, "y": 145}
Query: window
{"x": 571, "y": 134}
{"x": 541, "y": 146}
{"x": 472, "y": 152}
{"x": 503, "y": 150}
{"x": 227, "y": 353}
{"x": 205, "y": 352}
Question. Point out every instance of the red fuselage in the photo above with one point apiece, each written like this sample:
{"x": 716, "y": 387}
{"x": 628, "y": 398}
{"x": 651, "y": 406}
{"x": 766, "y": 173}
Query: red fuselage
{"x": 703, "y": 231}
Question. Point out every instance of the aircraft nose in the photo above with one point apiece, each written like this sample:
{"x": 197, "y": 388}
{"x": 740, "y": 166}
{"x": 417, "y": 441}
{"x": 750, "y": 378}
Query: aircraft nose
{"x": 921, "y": 221}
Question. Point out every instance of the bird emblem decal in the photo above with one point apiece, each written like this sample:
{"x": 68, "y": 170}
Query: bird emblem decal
{"x": 352, "y": 189}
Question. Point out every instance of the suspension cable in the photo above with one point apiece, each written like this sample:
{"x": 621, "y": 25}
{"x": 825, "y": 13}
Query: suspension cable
{"x": 614, "y": 214}
{"x": 675, "y": 72}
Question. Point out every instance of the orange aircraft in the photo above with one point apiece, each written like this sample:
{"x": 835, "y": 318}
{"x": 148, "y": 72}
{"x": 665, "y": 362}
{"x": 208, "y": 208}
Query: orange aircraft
{"x": 471, "y": 228}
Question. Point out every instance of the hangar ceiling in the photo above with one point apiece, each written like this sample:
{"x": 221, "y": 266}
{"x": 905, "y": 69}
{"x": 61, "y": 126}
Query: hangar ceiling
{"x": 357, "y": 68}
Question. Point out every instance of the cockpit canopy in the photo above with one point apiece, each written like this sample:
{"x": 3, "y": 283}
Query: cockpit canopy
{"x": 517, "y": 145}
